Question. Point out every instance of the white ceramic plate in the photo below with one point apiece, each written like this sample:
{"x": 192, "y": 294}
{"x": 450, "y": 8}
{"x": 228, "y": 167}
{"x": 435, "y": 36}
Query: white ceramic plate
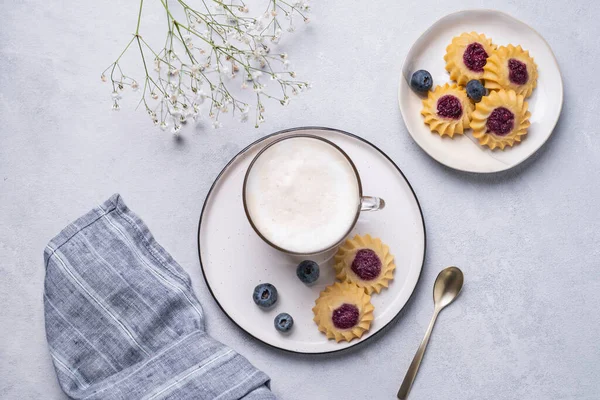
{"x": 463, "y": 152}
{"x": 234, "y": 259}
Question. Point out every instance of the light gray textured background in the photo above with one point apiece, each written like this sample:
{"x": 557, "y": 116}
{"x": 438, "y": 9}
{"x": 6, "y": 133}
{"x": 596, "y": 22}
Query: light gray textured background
{"x": 527, "y": 323}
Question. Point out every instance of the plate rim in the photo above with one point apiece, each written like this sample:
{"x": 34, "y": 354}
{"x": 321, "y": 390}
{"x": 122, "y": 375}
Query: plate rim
{"x": 491, "y": 11}
{"x": 284, "y": 131}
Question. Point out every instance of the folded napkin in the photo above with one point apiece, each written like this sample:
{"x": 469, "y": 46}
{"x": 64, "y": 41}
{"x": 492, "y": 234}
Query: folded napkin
{"x": 122, "y": 320}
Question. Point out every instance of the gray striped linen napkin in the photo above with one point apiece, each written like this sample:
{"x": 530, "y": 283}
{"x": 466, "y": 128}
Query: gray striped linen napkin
{"x": 122, "y": 320}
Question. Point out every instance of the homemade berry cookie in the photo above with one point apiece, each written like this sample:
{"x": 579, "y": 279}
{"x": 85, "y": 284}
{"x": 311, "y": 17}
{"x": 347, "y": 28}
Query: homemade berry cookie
{"x": 511, "y": 68}
{"x": 447, "y": 110}
{"x": 343, "y": 311}
{"x": 365, "y": 261}
{"x": 500, "y": 119}
{"x": 467, "y": 55}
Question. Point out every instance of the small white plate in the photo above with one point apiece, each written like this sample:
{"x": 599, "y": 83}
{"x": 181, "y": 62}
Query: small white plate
{"x": 464, "y": 152}
{"x": 234, "y": 259}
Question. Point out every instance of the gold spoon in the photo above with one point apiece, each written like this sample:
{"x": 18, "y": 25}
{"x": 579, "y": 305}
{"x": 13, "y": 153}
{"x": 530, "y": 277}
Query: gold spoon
{"x": 447, "y": 286}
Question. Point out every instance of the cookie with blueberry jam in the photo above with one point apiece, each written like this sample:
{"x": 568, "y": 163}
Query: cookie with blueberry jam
{"x": 501, "y": 119}
{"x": 366, "y": 262}
{"x": 447, "y": 110}
{"x": 511, "y": 68}
{"x": 343, "y": 311}
{"x": 467, "y": 56}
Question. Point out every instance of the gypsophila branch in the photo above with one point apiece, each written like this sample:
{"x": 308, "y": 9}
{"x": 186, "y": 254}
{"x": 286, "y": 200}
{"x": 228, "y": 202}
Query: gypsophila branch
{"x": 225, "y": 54}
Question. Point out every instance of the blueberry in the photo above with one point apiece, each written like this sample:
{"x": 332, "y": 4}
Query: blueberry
{"x": 308, "y": 271}
{"x": 265, "y": 295}
{"x": 283, "y": 322}
{"x": 421, "y": 81}
{"x": 475, "y": 90}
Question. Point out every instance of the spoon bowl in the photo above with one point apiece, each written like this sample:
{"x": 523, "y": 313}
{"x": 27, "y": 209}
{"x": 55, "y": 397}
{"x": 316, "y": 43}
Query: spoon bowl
{"x": 448, "y": 285}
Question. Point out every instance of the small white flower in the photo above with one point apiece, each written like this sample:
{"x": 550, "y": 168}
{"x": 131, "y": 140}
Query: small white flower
{"x": 103, "y": 78}
{"x": 175, "y": 130}
{"x": 116, "y": 106}
{"x": 216, "y": 124}
{"x": 175, "y": 113}
{"x": 200, "y": 97}
{"x": 135, "y": 86}
{"x": 164, "y": 125}
{"x": 256, "y": 74}
{"x": 286, "y": 64}
{"x": 115, "y": 95}
{"x": 154, "y": 95}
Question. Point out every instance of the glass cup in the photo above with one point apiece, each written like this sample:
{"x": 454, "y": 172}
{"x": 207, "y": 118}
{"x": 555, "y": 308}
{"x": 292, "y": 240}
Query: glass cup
{"x": 364, "y": 203}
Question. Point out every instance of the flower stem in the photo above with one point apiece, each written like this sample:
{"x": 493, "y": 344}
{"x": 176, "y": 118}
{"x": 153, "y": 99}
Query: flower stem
{"x": 137, "y": 29}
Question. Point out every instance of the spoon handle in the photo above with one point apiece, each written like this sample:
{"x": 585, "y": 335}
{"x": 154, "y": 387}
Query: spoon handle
{"x": 411, "y": 374}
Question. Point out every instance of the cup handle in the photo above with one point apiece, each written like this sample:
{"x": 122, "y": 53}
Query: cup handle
{"x": 369, "y": 203}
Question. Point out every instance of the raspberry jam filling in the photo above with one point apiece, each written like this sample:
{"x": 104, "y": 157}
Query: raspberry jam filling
{"x": 501, "y": 121}
{"x": 475, "y": 57}
{"x": 345, "y": 316}
{"x": 517, "y": 72}
{"x": 449, "y": 106}
{"x": 366, "y": 264}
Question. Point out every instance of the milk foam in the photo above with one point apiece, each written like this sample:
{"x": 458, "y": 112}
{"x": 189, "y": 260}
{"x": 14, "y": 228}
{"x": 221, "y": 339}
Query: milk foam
{"x": 302, "y": 195}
